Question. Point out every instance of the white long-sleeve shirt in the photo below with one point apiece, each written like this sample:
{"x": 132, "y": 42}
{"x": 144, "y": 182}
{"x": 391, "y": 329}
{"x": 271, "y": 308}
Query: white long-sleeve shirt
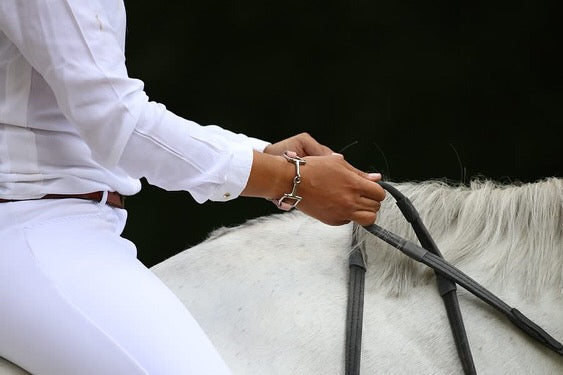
{"x": 72, "y": 121}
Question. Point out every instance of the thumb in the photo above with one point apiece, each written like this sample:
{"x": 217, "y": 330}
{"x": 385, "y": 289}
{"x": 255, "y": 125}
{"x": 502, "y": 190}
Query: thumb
{"x": 316, "y": 149}
{"x": 375, "y": 177}
{"x": 313, "y": 148}
{"x": 371, "y": 176}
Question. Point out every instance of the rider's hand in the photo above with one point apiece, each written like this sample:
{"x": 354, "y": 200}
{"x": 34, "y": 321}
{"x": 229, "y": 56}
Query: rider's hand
{"x": 333, "y": 191}
{"x": 302, "y": 144}
{"x": 336, "y": 193}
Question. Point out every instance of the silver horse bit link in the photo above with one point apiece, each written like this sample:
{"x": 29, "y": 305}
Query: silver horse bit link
{"x": 292, "y": 157}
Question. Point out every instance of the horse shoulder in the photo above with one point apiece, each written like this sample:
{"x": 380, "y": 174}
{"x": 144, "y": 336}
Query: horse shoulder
{"x": 270, "y": 294}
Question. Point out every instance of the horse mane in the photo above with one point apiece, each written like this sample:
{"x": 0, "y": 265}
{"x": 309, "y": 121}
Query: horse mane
{"x": 508, "y": 234}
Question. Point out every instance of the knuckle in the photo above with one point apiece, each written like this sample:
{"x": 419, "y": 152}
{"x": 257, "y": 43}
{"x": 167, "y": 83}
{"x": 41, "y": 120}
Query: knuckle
{"x": 350, "y": 202}
{"x": 381, "y": 193}
{"x": 370, "y": 218}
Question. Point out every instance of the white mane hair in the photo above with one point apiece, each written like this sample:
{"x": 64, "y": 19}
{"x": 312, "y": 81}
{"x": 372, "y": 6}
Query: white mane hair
{"x": 514, "y": 231}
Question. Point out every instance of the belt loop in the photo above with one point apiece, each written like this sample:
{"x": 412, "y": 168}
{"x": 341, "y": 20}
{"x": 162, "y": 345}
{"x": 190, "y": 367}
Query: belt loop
{"x": 104, "y": 199}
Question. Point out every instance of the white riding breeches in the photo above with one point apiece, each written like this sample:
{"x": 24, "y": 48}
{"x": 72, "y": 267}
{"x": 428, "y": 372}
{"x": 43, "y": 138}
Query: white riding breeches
{"x": 74, "y": 299}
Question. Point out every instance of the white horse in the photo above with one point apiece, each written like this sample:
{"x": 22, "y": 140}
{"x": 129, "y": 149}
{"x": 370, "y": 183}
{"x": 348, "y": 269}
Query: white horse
{"x": 272, "y": 293}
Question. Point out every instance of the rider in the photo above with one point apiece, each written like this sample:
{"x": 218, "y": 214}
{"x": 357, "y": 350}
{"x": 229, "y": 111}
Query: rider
{"x": 76, "y": 134}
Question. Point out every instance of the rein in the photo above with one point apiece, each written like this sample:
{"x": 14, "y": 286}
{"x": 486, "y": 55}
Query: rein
{"x": 447, "y": 277}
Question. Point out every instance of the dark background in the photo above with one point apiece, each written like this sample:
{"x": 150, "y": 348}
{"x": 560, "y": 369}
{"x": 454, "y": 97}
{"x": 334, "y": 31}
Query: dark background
{"x": 417, "y": 90}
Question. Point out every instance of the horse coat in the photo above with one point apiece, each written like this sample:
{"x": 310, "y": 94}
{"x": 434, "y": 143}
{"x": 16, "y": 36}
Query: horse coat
{"x": 271, "y": 293}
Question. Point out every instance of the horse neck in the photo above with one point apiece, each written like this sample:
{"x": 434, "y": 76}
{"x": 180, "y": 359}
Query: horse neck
{"x": 511, "y": 235}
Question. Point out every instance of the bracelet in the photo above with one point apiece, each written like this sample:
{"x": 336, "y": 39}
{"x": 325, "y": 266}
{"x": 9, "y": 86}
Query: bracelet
{"x": 291, "y": 157}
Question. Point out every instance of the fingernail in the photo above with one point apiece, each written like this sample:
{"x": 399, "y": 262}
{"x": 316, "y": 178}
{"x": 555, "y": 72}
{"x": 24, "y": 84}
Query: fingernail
{"x": 337, "y": 154}
{"x": 374, "y": 175}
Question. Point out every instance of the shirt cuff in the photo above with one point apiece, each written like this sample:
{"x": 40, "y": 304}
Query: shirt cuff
{"x": 236, "y": 178}
{"x": 258, "y": 144}
{"x": 177, "y": 154}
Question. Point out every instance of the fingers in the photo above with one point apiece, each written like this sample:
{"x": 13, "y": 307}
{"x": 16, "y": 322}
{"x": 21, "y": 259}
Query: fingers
{"x": 366, "y": 211}
{"x": 308, "y": 146}
{"x": 303, "y": 144}
{"x": 367, "y": 185}
{"x": 373, "y": 176}
{"x": 369, "y": 200}
{"x": 368, "y": 204}
{"x": 313, "y": 148}
{"x": 364, "y": 218}
{"x": 368, "y": 176}
{"x": 336, "y": 193}
{"x": 372, "y": 190}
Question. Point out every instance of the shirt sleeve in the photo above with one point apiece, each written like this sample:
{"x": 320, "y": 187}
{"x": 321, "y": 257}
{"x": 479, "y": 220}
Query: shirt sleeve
{"x": 72, "y": 45}
{"x": 215, "y": 168}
